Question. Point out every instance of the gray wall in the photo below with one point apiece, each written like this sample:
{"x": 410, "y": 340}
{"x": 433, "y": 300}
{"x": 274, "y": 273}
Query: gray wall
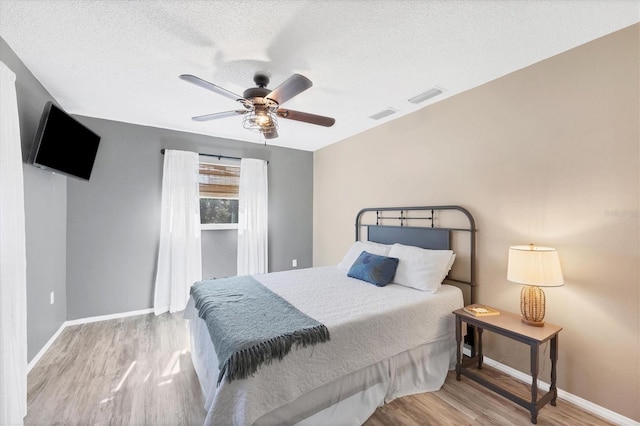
{"x": 45, "y": 199}
{"x": 114, "y": 219}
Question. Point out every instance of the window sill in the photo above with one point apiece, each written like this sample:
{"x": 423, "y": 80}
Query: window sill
{"x": 218, "y": 226}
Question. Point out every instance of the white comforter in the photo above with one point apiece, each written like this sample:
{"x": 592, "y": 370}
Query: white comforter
{"x": 367, "y": 324}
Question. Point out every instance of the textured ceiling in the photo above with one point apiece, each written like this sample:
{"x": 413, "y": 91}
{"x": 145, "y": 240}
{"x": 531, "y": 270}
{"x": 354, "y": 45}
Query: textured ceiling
{"x": 120, "y": 60}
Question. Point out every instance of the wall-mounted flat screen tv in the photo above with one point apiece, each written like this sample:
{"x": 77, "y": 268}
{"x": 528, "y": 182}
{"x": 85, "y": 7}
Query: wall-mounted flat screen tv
{"x": 63, "y": 144}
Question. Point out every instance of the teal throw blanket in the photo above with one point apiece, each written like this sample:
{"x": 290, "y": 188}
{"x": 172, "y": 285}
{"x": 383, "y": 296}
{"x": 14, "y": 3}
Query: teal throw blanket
{"x": 250, "y": 325}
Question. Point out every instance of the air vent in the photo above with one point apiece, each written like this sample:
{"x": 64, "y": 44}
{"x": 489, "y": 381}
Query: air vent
{"x": 384, "y": 113}
{"x": 426, "y": 95}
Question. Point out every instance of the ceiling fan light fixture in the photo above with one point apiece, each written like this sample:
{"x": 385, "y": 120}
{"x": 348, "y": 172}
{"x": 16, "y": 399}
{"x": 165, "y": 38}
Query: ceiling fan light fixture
{"x": 261, "y": 120}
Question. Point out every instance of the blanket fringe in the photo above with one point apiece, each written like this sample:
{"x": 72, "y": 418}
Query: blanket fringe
{"x": 245, "y": 363}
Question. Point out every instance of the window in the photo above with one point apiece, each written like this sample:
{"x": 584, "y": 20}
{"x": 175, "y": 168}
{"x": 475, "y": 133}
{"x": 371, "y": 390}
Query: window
{"x": 219, "y": 195}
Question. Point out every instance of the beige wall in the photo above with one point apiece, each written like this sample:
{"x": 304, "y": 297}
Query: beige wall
{"x": 548, "y": 154}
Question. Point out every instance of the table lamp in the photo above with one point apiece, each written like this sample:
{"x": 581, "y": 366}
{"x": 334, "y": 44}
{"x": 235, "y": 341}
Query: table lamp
{"x": 534, "y": 267}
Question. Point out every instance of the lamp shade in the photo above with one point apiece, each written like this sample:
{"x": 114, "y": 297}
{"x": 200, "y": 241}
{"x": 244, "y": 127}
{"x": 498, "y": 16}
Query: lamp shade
{"x": 535, "y": 266}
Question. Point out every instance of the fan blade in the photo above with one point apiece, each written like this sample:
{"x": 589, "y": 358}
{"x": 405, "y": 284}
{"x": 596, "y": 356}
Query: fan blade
{"x": 306, "y": 117}
{"x": 217, "y": 115}
{"x": 271, "y": 135}
{"x": 210, "y": 86}
{"x": 291, "y": 87}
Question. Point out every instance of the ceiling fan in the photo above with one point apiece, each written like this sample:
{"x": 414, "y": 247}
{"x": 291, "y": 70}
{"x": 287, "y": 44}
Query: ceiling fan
{"x": 261, "y": 106}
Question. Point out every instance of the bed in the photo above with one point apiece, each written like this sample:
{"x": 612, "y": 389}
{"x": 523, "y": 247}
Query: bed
{"x": 385, "y": 341}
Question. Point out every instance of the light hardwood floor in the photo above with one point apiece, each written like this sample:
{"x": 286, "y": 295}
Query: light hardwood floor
{"x": 138, "y": 371}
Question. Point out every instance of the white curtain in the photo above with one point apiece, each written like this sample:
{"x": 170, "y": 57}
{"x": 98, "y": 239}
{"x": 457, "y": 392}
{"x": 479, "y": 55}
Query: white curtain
{"x": 179, "y": 255}
{"x": 252, "y": 217}
{"x": 13, "y": 260}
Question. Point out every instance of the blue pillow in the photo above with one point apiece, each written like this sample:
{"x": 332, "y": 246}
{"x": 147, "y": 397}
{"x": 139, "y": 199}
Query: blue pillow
{"x": 378, "y": 270}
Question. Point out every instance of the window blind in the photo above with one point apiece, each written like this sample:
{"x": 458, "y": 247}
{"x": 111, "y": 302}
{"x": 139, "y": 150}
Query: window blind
{"x": 219, "y": 180}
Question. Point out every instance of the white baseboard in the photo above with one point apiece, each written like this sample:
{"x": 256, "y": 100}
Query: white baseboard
{"x": 47, "y": 345}
{"x": 595, "y": 409}
{"x": 66, "y": 324}
{"x": 107, "y": 317}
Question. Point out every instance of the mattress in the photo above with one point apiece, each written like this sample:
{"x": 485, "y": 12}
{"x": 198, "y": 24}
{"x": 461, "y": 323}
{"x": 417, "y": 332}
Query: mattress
{"x": 385, "y": 342}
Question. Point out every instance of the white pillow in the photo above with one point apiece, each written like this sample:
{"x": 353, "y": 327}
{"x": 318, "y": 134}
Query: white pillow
{"x": 357, "y": 248}
{"x": 419, "y": 268}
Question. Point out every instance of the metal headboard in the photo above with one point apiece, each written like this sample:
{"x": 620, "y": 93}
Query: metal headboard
{"x": 406, "y": 225}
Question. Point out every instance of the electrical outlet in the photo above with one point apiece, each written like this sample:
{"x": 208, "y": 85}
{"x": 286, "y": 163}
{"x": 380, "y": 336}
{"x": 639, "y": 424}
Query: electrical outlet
{"x": 294, "y": 263}
{"x": 52, "y": 298}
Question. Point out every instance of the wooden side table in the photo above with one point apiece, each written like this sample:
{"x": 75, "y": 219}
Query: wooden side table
{"x": 509, "y": 325}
